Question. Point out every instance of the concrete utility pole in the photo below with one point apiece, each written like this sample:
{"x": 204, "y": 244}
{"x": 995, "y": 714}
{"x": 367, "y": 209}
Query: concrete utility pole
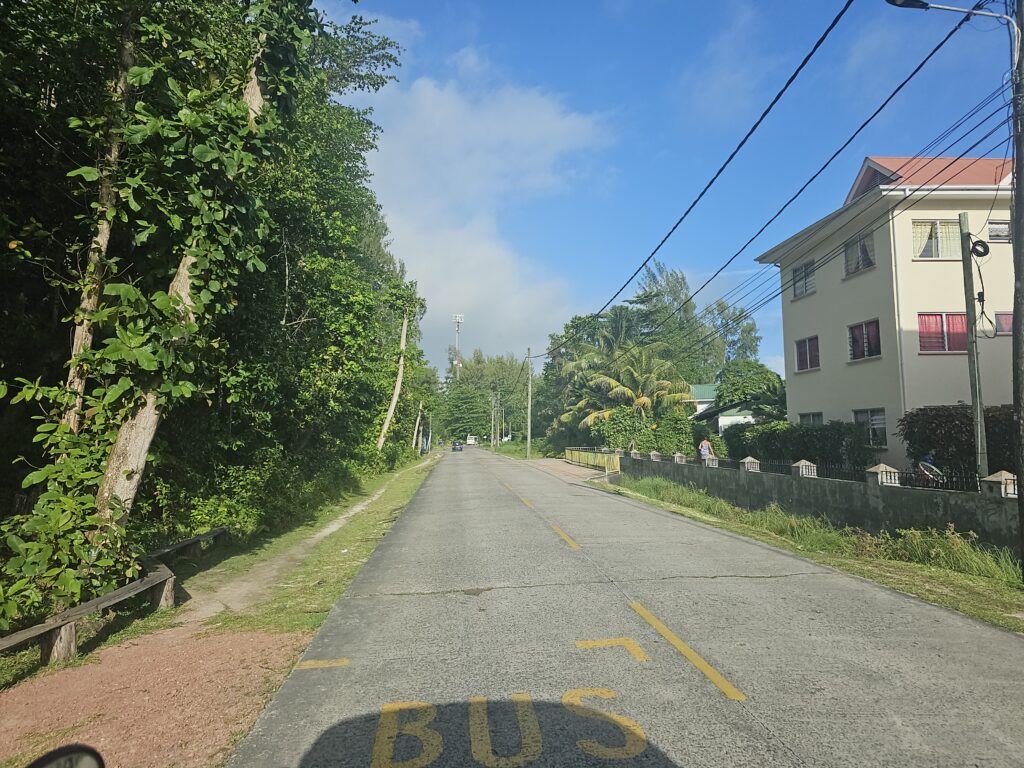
{"x": 458, "y": 320}
{"x": 1016, "y": 226}
{"x": 973, "y": 371}
{"x": 529, "y": 402}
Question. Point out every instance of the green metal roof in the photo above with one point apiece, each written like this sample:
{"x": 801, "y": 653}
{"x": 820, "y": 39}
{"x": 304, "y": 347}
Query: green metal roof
{"x": 703, "y": 391}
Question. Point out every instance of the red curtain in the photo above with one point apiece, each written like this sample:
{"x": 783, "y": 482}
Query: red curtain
{"x": 801, "y": 355}
{"x": 856, "y": 342}
{"x": 930, "y": 333}
{"x": 956, "y": 332}
{"x": 874, "y": 342}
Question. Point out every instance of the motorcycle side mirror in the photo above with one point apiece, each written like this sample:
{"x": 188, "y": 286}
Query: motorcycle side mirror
{"x": 71, "y": 756}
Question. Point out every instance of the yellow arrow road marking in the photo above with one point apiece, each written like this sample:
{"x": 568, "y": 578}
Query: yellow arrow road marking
{"x": 628, "y": 643}
{"x": 730, "y": 691}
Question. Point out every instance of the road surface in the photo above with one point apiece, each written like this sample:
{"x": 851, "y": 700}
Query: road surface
{"x": 512, "y": 618}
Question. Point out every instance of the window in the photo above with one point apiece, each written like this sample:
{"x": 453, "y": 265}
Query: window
{"x": 860, "y": 254}
{"x": 807, "y": 354}
{"x": 864, "y": 340}
{"x": 873, "y": 421}
{"x": 803, "y": 279}
{"x": 1004, "y": 323}
{"x": 999, "y": 231}
{"x": 811, "y": 419}
{"x": 938, "y": 332}
{"x": 937, "y": 239}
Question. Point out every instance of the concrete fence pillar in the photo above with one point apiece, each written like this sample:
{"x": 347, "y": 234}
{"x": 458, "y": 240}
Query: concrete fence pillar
{"x": 805, "y": 468}
{"x": 634, "y": 454}
{"x": 750, "y": 464}
{"x": 711, "y": 461}
{"x": 1000, "y": 484}
{"x": 679, "y": 458}
{"x": 619, "y": 452}
{"x": 655, "y": 456}
{"x": 882, "y": 474}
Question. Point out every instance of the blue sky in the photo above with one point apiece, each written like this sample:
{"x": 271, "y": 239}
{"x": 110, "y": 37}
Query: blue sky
{"x": 533, "y": 153}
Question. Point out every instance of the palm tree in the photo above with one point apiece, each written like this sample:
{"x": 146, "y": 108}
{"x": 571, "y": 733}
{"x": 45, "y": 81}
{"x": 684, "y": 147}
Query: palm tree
{"x": 640, "y": 379}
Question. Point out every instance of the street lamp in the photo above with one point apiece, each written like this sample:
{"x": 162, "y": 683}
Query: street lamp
{"x": 1016, "y": 234}
{"x": 920, "y": 5}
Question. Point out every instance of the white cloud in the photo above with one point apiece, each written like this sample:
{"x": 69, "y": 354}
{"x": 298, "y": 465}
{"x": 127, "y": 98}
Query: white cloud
{"x": 470, "y": 64}
{"x": 450, "y": 157}
{"x": 730, "y": 78}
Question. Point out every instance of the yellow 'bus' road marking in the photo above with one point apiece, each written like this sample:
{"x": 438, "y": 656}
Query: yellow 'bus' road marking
{"x": 565, "y": 536}
{"x": 322, "y": 663}
{"x": 730, "y": 691}
{"x": 628, "y": 643}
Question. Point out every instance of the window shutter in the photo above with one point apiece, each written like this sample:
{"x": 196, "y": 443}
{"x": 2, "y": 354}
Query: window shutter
{"x": 924, "y": 239}
{"x": 852, "y": 257}
{"x": 956, "y": 332}
{"x": 930, "y": 333}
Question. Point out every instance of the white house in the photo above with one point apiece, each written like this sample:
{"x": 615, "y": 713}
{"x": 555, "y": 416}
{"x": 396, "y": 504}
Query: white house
{"x": 873, "y": 303}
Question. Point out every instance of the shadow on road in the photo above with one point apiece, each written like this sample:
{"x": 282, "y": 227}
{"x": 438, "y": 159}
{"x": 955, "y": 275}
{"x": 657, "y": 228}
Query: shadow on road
{"x": 505, "y": 733}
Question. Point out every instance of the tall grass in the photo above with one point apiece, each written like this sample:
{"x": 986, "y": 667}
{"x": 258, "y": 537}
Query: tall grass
{"x": 948, "y": 549}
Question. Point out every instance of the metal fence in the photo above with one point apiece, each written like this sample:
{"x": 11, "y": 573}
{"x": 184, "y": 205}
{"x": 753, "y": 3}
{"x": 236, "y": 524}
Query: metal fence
{"x": 947, "y": 480}
{"x": 841, "y": 472}
{"x": 776, "y": 467}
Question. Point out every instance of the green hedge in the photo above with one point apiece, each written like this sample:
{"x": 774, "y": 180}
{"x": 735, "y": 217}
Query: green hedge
{"x": 670, "y": 433}
{"x": 949, "y": 430}
{"x": 837, "y": 442}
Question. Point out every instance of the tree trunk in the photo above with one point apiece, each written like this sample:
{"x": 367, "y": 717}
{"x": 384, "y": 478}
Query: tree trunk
{"x": 96, "y": 268}
{"x": 398, "y": 386}
{"x": 416, "y": 429}
{"x": 127, "y": 459}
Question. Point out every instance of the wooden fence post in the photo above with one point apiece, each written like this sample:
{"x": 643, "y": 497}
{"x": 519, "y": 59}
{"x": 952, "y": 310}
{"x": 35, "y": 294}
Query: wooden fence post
{"x": 59, "y": 644}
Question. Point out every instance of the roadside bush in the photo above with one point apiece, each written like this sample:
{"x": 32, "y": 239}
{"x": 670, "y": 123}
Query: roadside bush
{"x": 949, "y": 429}
{"x": 834, "y": 443}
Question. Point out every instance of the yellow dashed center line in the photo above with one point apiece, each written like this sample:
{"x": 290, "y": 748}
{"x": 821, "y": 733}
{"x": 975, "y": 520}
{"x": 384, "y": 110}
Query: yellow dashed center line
{"x": 322, "y": 663}
{"x": 526, "y": 502}
{"x": 730, "y": 691}
{"x": 565, "y": 536}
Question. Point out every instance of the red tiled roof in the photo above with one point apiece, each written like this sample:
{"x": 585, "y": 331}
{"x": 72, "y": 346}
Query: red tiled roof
{"x": 965, "y": 170}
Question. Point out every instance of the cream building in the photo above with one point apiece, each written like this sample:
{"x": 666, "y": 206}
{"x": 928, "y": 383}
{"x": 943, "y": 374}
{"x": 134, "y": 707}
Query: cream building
{"x": 873, "y": 301}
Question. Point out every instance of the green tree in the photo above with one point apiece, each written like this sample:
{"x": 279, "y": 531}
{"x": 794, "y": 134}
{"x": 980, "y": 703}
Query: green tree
{"x": 750, "y": 383}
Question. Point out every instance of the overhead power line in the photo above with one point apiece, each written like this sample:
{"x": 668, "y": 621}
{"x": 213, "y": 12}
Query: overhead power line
{"x": 860, "y": 128}
{"x": 759, "y": 277}
{"x": 834, "y": 253}
{"x": 721, "y": 169}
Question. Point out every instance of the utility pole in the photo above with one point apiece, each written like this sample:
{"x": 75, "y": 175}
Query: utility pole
{"x": 977, "y": 404}
{"x": 1017, "y": 226}
{"x": 529, "y": 402}
{"x": 458, "y": 320}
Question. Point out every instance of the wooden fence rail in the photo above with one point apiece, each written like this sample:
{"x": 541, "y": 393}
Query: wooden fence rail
{"x": 57, "y": 636}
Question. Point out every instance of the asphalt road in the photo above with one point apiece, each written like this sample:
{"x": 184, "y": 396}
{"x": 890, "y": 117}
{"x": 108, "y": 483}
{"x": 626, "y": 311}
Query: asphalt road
{"x": 511, "y": 618}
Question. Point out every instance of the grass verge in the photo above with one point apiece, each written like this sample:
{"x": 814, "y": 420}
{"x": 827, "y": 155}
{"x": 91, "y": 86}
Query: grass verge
{"x": 302, "y": 602}
{"x": 212, "y": 568}
{"x": 517, "y": 449}
{"x": 942, "y": 567}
